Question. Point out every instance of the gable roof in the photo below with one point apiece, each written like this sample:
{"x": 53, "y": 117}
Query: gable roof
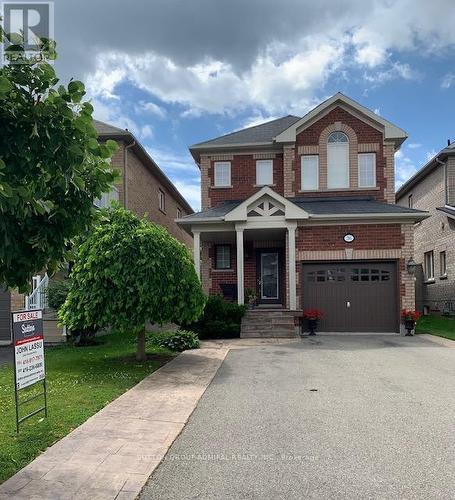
{"x": 284, "y": 129}
{"x": 107, "y": 131}
{"x": 318, "y": 208}
{"x": 425, "y": 170}
{"x": 104, "y": 129}
{"x": 255, "y": 135}
{"x": 391, "y": 131}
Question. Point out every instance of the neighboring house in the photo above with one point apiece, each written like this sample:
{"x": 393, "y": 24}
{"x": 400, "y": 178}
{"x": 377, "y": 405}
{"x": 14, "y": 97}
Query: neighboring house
{"x": 432, "y": 189}
{"x": 143, "y": 188}
{"x": 302, "y": 213}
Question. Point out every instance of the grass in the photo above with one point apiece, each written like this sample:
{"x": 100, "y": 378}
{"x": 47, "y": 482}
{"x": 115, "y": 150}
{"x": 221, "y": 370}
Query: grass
{"x": 80, "y": 381}
{"x": 441, "y": 326}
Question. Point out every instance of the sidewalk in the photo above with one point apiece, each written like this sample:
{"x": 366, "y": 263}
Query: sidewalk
{"x": 114, "y": 452}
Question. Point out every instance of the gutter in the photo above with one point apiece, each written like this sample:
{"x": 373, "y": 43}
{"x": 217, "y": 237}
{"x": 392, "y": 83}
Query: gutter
{"x": 125, "y": 172}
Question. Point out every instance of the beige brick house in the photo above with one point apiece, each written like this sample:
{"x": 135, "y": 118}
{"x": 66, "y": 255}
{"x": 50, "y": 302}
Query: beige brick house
{"x": 143, "y": 188}
{"x": 300, "y": 213}
{"x": 432, "y": 189}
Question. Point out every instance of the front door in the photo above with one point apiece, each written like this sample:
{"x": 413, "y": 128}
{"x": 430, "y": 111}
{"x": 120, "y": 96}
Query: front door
{"x": 269, "y": 276}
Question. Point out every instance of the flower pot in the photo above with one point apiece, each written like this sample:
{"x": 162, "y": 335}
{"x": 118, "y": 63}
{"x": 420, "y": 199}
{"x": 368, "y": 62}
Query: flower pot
{"x": 312, "y": 326}
{"x": 409, "y": 325}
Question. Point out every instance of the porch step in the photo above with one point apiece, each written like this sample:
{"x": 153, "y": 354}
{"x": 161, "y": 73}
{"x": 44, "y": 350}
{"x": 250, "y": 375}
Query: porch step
{"x": 268, "y": 323}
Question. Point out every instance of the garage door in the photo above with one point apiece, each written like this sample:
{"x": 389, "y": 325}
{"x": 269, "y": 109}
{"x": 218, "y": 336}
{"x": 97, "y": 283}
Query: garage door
{"x": 353, "y": 296}
{"x": 5, "y": 312}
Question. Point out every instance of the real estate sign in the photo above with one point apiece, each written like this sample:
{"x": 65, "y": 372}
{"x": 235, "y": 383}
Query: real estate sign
{"x": 28, "y": 348}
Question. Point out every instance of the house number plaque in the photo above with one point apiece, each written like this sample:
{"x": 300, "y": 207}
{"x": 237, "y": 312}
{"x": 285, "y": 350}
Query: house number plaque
{"x": 348, "y": 238}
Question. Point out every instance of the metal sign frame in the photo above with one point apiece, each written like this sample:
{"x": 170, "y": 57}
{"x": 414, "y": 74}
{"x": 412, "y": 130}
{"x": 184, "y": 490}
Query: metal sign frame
{"x": 34, "y": 319}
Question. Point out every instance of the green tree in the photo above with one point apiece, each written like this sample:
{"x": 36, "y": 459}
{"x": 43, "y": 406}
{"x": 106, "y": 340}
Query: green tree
{"x": 128, "y": 272}
{"x": 51, "y": 166}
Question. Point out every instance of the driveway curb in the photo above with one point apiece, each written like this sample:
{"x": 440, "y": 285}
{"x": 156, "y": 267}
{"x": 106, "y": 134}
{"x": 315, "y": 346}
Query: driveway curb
{"x": 113, "y": 453}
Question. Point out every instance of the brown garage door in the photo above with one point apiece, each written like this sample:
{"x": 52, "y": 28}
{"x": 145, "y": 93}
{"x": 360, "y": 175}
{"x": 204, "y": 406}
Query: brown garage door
{"x": 5, "y": 315}
{"x": 353, "y": 296}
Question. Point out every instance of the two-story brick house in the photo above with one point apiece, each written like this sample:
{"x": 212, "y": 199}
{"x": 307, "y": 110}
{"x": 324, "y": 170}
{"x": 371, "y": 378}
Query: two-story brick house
{"x": 142, "y": 187}
{"x": 432, "y": 189}
{"x": 301, "y": 212}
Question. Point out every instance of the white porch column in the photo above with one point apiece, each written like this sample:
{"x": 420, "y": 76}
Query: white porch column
{"x": 291, "y": 266}
{"x": 197, "y": 252}
{"x": 240, "y": 265}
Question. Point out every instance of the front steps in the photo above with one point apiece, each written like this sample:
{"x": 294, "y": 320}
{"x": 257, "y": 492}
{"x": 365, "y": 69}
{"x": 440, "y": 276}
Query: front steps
{"x": 268, "y": 323}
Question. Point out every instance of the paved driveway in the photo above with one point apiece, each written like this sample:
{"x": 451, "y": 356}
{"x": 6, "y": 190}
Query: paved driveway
{"x": 335, "y": 417}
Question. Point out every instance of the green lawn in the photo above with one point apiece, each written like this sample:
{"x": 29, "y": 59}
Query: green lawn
{"x": 80, "y": 381}
{"x": 437, "y": 325}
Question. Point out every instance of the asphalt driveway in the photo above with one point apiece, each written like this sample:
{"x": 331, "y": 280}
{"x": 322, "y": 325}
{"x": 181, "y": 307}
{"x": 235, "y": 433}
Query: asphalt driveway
{"x": 335, "y": 417}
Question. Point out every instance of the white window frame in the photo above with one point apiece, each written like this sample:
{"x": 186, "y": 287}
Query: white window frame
{"x": 410, "y": 201}
{"x": 267, "y": 177}
{"x": 303, "y": 184}
{"x": 218, "y": 179}
{"x": 226, "y": 256}
{"x": 443, "y": 264}
{"x": 366, "y": 155}
{"x": 333, "y": 147}
{"x": 428, "y": 265}
{"x": 179, "y": 213}
{"x": 161, "y": 200}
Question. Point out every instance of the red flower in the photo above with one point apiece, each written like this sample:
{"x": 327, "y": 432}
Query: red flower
{"x": 410, "y": 315}
{"x": 312, "y": 314}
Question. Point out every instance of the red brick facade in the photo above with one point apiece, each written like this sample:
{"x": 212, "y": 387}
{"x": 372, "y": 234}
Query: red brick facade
{"x": 243, "y": 166}
{"x": 243, "y": 179}
{"x": 377, "y": 236}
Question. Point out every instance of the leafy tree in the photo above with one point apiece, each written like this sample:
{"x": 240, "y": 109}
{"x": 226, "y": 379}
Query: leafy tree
{"x": 128, "y": 272}
{"x": 51, "y": 165}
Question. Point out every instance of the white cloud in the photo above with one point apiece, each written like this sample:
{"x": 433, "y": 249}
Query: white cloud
{"x": 272, "y": 84}
{"x": 151, "y": 108}
{"x": 448, "y": 80}
{"x": 404, "y": 168}
{"x": 430, "y": 154}
{"x": 394, "y": 71}
{"x": 191, "y": 191}
{"x": 414, "y": 145}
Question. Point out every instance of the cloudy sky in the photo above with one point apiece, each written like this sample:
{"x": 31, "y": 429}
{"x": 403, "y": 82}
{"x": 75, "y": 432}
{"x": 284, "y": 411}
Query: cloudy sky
{"x": 176, "y": 72}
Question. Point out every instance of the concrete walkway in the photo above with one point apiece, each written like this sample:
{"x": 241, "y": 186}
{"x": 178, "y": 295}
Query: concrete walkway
{"x": 330, "y": 417}
{"x": 114, "y": 452}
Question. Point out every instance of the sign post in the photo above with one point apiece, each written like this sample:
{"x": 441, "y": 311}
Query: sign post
{"x": 28, "y": 359}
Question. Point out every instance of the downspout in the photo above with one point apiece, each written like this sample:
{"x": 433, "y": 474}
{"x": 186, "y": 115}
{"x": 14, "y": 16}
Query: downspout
{"x": 445, "y": 179}
{"x": 125, "y": 173}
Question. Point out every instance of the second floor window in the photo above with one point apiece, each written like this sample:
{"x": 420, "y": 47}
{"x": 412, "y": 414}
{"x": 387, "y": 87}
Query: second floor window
{"x": 222, "y": 177}
{"x": 410, "y": 202}
{"x": 179, "y": 213}
{"x": 337, "y": 160}
{"x": 367, "y": 169}
{"x": 264, "y": 172}
{"x": 309, "y": 172}
{"x": 428, "y": 265}
{"x": 162, "y": 200}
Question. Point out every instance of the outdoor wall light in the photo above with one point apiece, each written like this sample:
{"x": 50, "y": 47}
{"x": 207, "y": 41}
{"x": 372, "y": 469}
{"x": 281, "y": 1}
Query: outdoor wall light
{"x": 411, "y": 266}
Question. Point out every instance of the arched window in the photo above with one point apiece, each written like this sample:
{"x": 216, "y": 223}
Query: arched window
{"x": 337, "y": 160}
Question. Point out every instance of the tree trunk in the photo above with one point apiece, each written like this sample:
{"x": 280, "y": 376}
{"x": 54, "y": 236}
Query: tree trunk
{"x": 140, "y": 353}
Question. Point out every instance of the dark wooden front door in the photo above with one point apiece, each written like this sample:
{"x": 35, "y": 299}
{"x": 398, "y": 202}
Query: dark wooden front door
{"x": 5, "y": 314}
{"x": 269, "y": 276}
{"x": 353, "y": 296}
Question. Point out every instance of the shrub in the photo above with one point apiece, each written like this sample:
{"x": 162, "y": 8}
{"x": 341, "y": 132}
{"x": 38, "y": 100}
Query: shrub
{"x": 181, "y": 340}
{"x": 220, "y": 319}
{"x": 57, "y": 292}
